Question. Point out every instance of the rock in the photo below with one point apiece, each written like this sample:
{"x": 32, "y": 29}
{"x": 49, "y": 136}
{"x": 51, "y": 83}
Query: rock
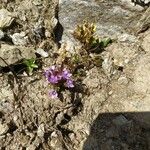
{"x": 5, "y": 18}
{"x": 123, "y": 80}
{"x": 37, "y": 2}
{"x": 108, "y": 24}
{"x": 12, "y": 54}
{"x": 59, "y": 118}
{"x": 107, "y": 65}
{"x": 146, "y": 41}
{"x": 141, "y": 79}
{"x": 41, "y": 130}
{"x": 122, "y": 53}
{"x": 41, "y": 52}
{"x": 31, "y": 147}
{"x": 120, "y": 120}
{"x": 19, "y": 38}
{"x": 6, "y": 95}
{"x": 3, "y": 129}
{"x": 127, "y": 38}
{"x": 1, "y": 34}
{"x": 144, "y": 23}
{"x": 54, "y": 22}
{"x": 92, "y": 80}
{"x": 56, "y": 141}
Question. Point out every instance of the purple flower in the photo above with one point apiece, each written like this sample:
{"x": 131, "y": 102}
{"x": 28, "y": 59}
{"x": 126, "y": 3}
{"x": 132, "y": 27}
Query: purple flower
{"x": 66, "y": 74}
{"x": 69, "y": 83}
{"x": 56, "y": 75}
{"x": 53, "y": 79}
{"x": 53, "y": 94}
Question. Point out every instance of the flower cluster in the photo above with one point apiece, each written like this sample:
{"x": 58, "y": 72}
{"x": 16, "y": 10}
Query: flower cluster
{"x": 58, "y": 76}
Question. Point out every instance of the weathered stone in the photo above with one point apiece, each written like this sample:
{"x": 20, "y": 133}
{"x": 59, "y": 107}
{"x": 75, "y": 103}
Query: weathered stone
{"x": 19, "y": 38}
{"x": 107, "y": 65}
{"x": 41, "y": 52}
{"x": 37, "y": 2}
{"x": 108, "y": 24}
{"x": 12, "y": 54}
{"x": 3, "y": 129}
{"x": 5, "y": 18}
{"x": 144, "y": 22}
{"x": 146, "y": 42}
{"x": 41, "y": 131}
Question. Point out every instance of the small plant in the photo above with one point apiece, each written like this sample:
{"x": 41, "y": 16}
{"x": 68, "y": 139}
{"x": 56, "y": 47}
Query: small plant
{"x": 30, "y": 64}
{"x": 86, "y": 35}
{"x": 59, "y": 77}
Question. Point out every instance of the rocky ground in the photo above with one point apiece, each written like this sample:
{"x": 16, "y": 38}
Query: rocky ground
{"x": 109, "y": 108}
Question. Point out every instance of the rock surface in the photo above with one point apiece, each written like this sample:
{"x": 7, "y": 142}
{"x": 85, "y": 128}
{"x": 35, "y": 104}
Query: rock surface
{"x": 19, "y": 38}
{"x": 6, "y": 18}
{"x": 12, "y": 54}
{"x": 122, "y": 18}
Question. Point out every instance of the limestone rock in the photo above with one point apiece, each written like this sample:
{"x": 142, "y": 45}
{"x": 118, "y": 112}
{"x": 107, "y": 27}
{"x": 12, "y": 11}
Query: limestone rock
{"x": 12, "y": 54}
{"x": 3, "y": 129}
{"x": 108, "y": 24}
{"x": 5, "y": 18}
{"x": 19, "y": 38}
{"x": 144, "y": 22}
{"x": 146, "y": 42}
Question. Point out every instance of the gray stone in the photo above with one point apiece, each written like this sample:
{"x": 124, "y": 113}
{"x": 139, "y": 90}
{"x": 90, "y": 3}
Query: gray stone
{"x": 5, "y": 18}
{"x": 127, "y": 38}
{"x": 11, "y": 54}
{"x": 108, "y": 24}
{"x": 107, "y": 65}
{"x": 19, "y": 38}
{"x": 41, "y": 52}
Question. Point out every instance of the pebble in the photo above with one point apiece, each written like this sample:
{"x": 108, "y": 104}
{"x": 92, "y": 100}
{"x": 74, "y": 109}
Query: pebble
{"x": 41, "y": 52}
{"x": 5, "y": 18}
{"x": 41, "y": 130}
{"x": 37, "y": 2}
{"x": 19, "y": 38}
{"x": 3, "y": 129}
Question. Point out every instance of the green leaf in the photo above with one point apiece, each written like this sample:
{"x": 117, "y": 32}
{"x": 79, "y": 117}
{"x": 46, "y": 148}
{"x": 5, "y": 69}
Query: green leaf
{"x": 105, "y": 42}
{"x": 34, "y": 66}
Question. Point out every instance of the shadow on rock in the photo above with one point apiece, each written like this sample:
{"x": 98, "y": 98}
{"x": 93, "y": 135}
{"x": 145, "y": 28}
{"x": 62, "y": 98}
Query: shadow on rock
{"x": 119, "y": 131}
{"x": 142, "y": 3}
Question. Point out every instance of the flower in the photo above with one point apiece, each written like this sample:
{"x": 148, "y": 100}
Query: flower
{"x": 53, "y": 79}
{"x": 69, "y": 83}
{"x": 53, "y": 94}
{"x": 58, "y": 76}
{"x": 66, "y": 74}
